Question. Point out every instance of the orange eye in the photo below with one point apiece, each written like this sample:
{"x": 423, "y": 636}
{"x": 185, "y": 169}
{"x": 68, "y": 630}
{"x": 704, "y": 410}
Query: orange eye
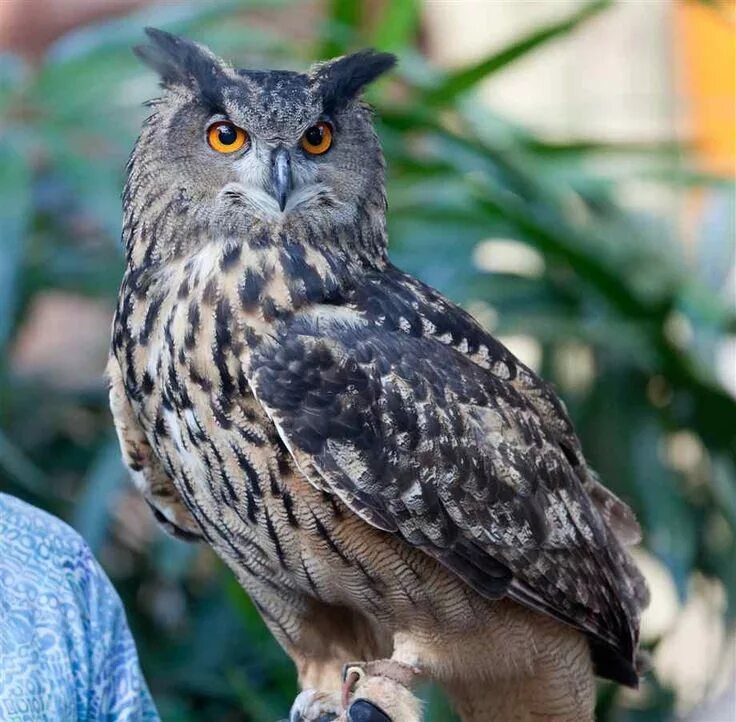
{"x": 317, "y": 139}
{"x": 225, "y": 137}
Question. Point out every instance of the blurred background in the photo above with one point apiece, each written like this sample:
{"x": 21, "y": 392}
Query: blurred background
{"x": 563, "y": 169}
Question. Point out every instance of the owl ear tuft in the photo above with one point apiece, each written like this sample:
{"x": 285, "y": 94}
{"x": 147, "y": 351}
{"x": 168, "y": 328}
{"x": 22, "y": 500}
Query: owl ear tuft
{"x": 179, "y": 61}
{"x": 342, "y": 79}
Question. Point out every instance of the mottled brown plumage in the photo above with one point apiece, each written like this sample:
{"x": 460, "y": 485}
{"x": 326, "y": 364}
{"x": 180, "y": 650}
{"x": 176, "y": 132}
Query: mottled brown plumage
{"x": 386, "y": 480}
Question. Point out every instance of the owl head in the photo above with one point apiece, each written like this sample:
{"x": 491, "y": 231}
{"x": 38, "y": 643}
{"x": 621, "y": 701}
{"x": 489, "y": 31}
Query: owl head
{"x": 253, "y": 146}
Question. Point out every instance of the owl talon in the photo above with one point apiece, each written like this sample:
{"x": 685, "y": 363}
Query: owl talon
{"x": 314, "y": 706}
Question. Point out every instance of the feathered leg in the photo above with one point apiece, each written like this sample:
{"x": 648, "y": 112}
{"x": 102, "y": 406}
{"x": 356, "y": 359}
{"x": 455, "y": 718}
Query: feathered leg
{"x": 520, "y": 667}
{"x": 530, "y": 699}
{"x": 560, "y": 687}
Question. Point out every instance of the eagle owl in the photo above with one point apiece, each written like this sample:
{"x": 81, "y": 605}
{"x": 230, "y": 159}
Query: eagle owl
{"x": 399, "y": 495}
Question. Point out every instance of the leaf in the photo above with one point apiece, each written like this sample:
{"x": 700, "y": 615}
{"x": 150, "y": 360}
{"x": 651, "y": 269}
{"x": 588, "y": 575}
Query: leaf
{"x": 92, "y": 510}
{"x": 17, "y": 465}
{"x": 724, "y": 488}
{"x": 13, "y": 74}
{"x": 341, "y": 28}
{"x": 622, "y": 438}
{"x": 436, "y": 706}
{"x": 15, "y": 206}
{"x": 398, "y": 25}
{"x": 256, "y": 704}
{"x": 465, "y": 79}
{"x": 174, "y": 560}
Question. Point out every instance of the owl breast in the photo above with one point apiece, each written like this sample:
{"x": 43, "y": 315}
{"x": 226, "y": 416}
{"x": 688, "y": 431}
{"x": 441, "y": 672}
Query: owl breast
{"x": 183, "y": 348}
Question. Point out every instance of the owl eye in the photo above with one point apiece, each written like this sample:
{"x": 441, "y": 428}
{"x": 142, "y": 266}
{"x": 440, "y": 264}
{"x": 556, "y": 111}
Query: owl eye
{"x": 317, "y": 139}
{"x": 225, "y": 137}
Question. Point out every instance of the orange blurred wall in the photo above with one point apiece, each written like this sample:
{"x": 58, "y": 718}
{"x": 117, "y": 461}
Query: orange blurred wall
{"x": 705, "y": 39}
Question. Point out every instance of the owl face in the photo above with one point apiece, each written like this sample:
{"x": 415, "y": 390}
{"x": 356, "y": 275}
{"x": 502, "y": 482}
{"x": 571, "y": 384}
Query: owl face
{"x": 265, "y": 145}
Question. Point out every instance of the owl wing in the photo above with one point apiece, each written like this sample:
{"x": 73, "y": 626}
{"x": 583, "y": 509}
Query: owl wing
{"x": 420, "y": 441}
{"x": 398, "y": 301}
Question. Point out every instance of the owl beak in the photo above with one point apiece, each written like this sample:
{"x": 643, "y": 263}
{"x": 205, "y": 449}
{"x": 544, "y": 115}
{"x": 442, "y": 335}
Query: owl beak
{"x": 281, "y": 176}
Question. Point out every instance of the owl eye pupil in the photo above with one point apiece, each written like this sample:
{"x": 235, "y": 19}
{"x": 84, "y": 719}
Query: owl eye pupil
{"x": 314, "y": 135}
{"x": 226, "y": 134}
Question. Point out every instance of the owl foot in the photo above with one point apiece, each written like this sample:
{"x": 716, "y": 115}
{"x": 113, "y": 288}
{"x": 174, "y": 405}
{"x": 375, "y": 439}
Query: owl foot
{"x": 314, "y": 706}
{"x": 379, "y": 691}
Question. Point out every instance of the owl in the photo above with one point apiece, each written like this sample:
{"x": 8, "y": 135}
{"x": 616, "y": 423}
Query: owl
{"x": 400, "y": 496}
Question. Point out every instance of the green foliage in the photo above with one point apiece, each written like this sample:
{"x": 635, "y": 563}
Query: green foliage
{"x": 612, "y": 285}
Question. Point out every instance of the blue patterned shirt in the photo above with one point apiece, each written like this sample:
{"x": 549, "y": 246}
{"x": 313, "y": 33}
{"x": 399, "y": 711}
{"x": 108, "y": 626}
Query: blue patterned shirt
{"x": 66, "y": 654}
